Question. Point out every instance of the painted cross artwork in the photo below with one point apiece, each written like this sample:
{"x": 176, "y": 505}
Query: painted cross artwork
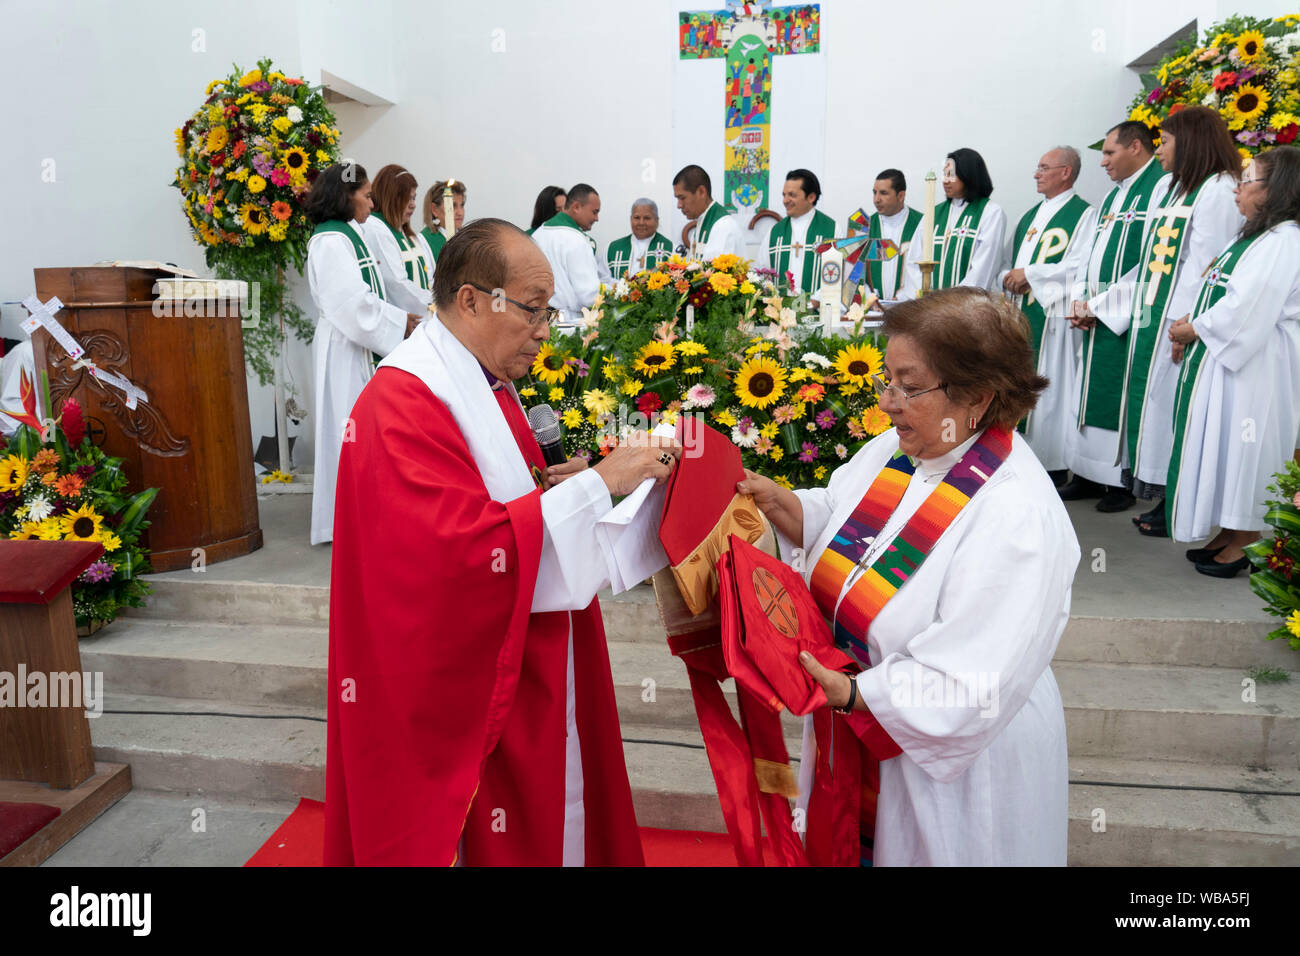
{"x": 858, "y": 250}
{"x": 748, "y": 35}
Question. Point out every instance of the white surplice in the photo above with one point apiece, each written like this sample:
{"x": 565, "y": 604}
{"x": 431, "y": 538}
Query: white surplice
{"x": 799, "y": 248}
{"x": 979, "y": 783}
{"x": 573, "y": 265}
{"x": 891, "y": 227}
{"x": 987, "y": 257}
{"x": 725, "y": 236}
{"x": 1053, "y": 418}
{"x": 353, "y": 322}
{"x": 1242, "y": 423}
{"x": 398, "y": 289}
{"x": 1095, "y": 452}
{"x": 575, "y": 560}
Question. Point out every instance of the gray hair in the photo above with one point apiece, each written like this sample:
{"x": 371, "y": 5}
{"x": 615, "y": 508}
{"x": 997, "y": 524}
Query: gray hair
{"x": 654, "y": 207}
{"x": 1072, "y": 160}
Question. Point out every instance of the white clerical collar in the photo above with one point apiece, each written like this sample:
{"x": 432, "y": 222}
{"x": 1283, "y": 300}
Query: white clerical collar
{"x": 1058, "y": 200}
{"x": 958, "y": 204}
{"x": 897, "y": 217}
{"x": 1126, "y": 183}
{"x": 929, "y": 468}
{"x": 641, "y": 242}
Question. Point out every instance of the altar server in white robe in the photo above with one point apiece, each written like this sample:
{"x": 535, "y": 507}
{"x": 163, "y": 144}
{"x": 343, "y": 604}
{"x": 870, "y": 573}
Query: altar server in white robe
{"x": 969, "y": 228}
{"x": 982, "y": 777}
{"x": 565, "y": 242}
{"x": 1049, "y": 245}
{"x": 405, "y": 259}
{"x": 1094, "y": 454}
{"x": 1238, "y": 405}
{"x": 356, "y": 326}
{"x": 715, "y": 231}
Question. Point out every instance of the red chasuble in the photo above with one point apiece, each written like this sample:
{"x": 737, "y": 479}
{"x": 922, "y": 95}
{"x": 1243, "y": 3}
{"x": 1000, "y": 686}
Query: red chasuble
{"x": 446, "y": 706}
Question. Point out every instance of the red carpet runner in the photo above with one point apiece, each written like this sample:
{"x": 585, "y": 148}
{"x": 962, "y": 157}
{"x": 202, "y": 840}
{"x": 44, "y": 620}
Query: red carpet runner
{"x": 299, "y": 840}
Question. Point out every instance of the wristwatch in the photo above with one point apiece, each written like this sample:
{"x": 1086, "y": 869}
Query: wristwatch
{"x": 853, "y": 696}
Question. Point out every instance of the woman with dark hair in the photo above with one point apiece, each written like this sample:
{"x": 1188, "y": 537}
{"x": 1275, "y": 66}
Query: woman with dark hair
{"x": 433, "y": 231}
{"x": 1195, "y": 222}
{"x": 1238, "y": 401}
{"x": 355, "y": 324}
{"x": 968, "y": 226}
{"x": 405, "y": 258}
{"x": 549, "y": 201}
{"x": 943, "y": 559}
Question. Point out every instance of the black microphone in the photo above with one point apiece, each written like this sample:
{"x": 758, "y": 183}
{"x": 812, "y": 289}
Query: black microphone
{"x": 546, "y": 429}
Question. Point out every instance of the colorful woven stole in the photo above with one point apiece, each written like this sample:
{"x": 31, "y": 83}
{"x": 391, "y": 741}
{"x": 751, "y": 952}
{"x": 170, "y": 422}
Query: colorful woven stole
{"x": 954, "y": 243}
{"x": 852, "y": 616}
{"x": 1213, "y": 289}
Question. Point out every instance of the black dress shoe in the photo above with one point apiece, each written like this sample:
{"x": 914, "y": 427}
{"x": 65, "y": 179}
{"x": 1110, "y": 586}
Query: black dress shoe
{"x": 1079, "y": 487}
{"x": 1216, "y": 569}
{"x": 1115, "y": 499}
{"x": 1197, "y": 555}
{"x": 1058, "y": 476}
{"x": 1147, "y": 517}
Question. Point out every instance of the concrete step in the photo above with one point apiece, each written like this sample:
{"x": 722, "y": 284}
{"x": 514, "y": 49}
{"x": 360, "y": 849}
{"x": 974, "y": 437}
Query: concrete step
{"x": 1183, "y": 642}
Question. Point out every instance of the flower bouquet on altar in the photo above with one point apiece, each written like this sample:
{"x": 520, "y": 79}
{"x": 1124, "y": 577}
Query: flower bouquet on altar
{"x": 1276, "y": 578}
{"x": 56, "y": 485}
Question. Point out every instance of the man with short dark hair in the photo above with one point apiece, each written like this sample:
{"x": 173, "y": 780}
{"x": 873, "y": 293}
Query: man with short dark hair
{"x": 792, "y": 243}
{"x": 715, "y": 231}
{"x": 900, "y": 278}
{"x": 571, "y": 252}
{"x": 1100, "y": 306}
{"x": 463, "y": 598}
{"x": 644, "y": 247}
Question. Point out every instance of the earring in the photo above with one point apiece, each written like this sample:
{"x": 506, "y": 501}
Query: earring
{"x": 973, "y": 423}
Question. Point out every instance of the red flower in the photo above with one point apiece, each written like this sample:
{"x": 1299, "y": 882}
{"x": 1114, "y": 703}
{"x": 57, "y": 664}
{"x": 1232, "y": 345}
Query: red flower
{"x": 219, "y": 159}
{"x": 1177, "y": 108}
{"x": 238, "y": 149}
{"x": 1288, "y": 134}
{"x": 74, "y": 424}
{"x": 1225, "y": 81}
{"x": 194, "y": 175}
{"x": 649, "y": 403}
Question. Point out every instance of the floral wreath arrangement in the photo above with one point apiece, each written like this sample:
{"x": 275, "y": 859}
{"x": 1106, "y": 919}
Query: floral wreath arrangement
{"x": 1276, "y": 578}
{"x": 796, "y": 403}
{"x": 249, "y": 155}
{"x": 1248, "y": 69}
{"x": 56, "y": 485}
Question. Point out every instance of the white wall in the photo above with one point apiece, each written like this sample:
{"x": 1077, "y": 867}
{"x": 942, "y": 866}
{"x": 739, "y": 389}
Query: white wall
{"x": 510, "y": 95}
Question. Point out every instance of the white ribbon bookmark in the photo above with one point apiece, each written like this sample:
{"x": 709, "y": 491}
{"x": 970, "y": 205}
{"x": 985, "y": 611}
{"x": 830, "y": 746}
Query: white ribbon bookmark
{"x": 42, "y": 316}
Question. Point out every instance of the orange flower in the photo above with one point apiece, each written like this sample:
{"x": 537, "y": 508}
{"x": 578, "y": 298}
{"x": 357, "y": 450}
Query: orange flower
{"x": 811, "y": 393}
{"x": 281, "y": 210}
{"x": 49, "y": 478}
{"x": 47, "y": 459}
{"x": 69, "y": 486}
{"x": 634, "y": 295}
{"x": 682, "y": 286}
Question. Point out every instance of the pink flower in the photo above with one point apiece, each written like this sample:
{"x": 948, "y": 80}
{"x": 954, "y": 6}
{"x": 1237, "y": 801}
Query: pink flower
{"x": 280, "y": 176}
{"x": 809, "y": 452}
{"x": 99, "y": 571}
{"x": 783, "y": 414}
{"x": 841, "y": 452}
{"x": 826, "y": 420}
{"x": 699, "y": 396}
{"x": 764, "y": 445}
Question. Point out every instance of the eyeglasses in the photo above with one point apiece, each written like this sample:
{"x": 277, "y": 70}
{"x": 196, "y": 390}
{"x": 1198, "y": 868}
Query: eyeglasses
{"x": 538, "y": 315}
{"x": 1258, "y": 179}
{"x": 883, "y": 388}
{"x": 1043, "y": 169}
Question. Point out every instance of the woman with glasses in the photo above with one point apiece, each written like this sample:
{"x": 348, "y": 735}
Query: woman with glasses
{"x": 943, "y": 559}
{"x": 357, "y": 324}
{"x": 1237, "y": 406}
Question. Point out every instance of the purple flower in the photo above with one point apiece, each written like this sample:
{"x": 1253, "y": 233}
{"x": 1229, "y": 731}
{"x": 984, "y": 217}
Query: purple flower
{"x": 1154, "y": 96}
{"x": 826, "y": 420}
{"x": 583, "y": 367}
{"x": 1245, "y": 76}
{"x": 584, "y": 454}
{"x": 6, "y": 497}
{"x": 60, "y": 508}
{"x": 85, "y": 471}
{"x": 261, "y": 86}
{"x": 101, "y": 570}
{"x": 809, "y": 452}
{"x": 1251, "y": 137}
{"x": 262, "y": 164}
{"x": 745, "y": 424}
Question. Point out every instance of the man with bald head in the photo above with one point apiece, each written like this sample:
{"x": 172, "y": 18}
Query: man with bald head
{"x": 644, "y": 248}
{"x": 471, "y": 713}
{"x": 1049, "y": 245}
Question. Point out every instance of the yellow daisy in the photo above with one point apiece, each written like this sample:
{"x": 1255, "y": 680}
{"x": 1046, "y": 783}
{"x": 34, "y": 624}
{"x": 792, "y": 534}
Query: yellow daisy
{"x": 657, "y": 280}
{"x": 857, "y": 363}
{"x": 281, "y": 124}
{"x": 653, "y": 358}
{"x": 725, "y": 417}
{"x": 630, "y": 387}
{"x": 693, "y": 370}
{"x": 875, "y": 421}
{"x": 820, "y": 472}
{"x": 550, "y": 365}
{"x": 722, "y": 282}
{"x": 110, "y": 541}
{"x": 218, "y": 137}
{"x": 256, "y": 183}
{"x": 1250, "y": 45}
{"x": 572, "y": 418}
{"x": 13, "y": 472}
{"x": 769, "y": 430}
{"x": 1247, "y": 104}
{"x": 1293, "y": 623}
{"x": 598, "y": 402}
{"x": 691, "y": 348}
{"x": 555, "y": 394}
{"x": 747, "y": 288}
{"x": 84, "y": 524}
{"x": 777, "y": 453}
{"x": 760, "y": 382}
{"x": 51, "y": 529}
{"x": 528, "y": 392}
{"x": 783, "y": 481}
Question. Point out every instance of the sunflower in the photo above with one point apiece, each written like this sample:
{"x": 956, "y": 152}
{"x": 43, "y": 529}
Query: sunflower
{"x": 857, "y": 363}
{"x": 1248, "y": 104}
{"x": 218, "y": 137}
{"x": 13, "y": 472}
{"x": 254, "y": 218}
{"x": 180, "y": 141}
{"x": 760, "y": 382}
{"x": 875, "y": 421}
{"x": 654, "y": 357}
{"x": 1250, "y": 45}
{"x": 84, "y": 524}
{"x": 29, "y": 530}
{"x": 295, "y": 161}
{"x": 550, "y": 365}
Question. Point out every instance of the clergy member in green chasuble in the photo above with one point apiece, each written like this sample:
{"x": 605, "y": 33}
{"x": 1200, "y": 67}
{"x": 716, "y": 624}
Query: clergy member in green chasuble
{"x": 644, "y": 248}
{"x": 900, "y": 278}
{"x": 792, "y": 243}
{"x": 969, "y": 227}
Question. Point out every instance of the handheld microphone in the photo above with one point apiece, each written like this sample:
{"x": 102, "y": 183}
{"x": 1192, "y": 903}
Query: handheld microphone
{"x": 546, "y": 429}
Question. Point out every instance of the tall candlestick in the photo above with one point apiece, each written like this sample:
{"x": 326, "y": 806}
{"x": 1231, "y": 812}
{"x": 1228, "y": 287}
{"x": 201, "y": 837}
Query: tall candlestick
{"x": 927, "y": 224}
{"x": 449, "y": 209}
{"x": 690, "y": 319}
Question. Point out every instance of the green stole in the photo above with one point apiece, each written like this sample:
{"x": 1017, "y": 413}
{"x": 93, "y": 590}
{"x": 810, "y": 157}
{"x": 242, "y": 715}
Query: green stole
{"x": 705, "y": 228}
{"x": 876, "y": 269}
{"x": 619, "y": 254}
{"x": 1104, "y": 352}
{"x": 1158, "y": 268}
{"x": 368, "y": 264}
{"x": 562, "y": 220}
{"x": 780, "y": 247}
{"x": 416, "y": 270}
{"x": 1213, "y": 289}
{"x": 953, "y": 247}
{"x": 437, "y": 240}
{"x": 1050, "y": 247}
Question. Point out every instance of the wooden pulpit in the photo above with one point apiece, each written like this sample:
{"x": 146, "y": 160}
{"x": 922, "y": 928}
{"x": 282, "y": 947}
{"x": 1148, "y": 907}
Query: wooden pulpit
{"x": 45, "y": 750}
{"x": 191, "y": 438}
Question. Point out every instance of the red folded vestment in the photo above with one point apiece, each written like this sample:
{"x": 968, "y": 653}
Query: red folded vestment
{"x": 768, "y": 617}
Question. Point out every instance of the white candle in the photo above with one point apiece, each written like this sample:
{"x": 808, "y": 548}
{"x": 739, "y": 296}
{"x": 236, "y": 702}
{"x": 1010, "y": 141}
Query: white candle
{"x": 449, "y": 210}
{"x": 927, "y": 224}
{"x": 690, "y": 319}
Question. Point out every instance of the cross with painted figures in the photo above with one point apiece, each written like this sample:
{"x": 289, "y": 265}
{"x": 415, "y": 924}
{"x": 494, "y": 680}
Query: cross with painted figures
{"x": 748, "y": 35}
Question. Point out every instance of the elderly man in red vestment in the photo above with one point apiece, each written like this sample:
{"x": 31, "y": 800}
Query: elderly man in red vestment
{"x": 471, "y": 713}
